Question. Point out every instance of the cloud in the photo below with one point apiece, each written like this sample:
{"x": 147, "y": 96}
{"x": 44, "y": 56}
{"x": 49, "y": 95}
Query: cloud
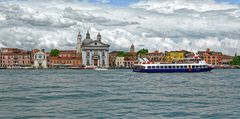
{"x": 169, "y": 6}
{"x": 103, "y": 1}
{"x": 153, "y": 24}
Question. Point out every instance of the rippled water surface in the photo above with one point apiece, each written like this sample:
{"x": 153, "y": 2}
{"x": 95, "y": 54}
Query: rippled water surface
{"x": 77, "y": 94}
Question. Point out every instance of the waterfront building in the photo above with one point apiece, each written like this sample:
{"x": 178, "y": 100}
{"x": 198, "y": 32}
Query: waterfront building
{"x": 94, "y": 52}
{"x": 131, "y": 58}
{"x": 211, "y": 57}
{"x": 129, "y": 62}
{"x": 155, "y": 57}
{"x": 112, "y": 58}
{"x": 226, "y": 59}
{"x": 67, "y": 53}
{"x": 188, "y": 54}
{"x": 173, "y": 56}
{"x": 66, "y": 62}
{"x": 119, "y": 62}
{"x": 40, "y": 59}
{"x": 15, "y": 58}
{"x": 65, "y": 58}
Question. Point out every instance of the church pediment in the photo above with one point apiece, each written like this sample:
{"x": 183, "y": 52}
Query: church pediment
{"x": 97, "y": 44}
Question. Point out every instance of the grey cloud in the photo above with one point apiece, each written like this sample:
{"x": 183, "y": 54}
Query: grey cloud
{"x": 29, "y": 16}
{"x": 88, "y": 18}
{"x": 38, "y": 24}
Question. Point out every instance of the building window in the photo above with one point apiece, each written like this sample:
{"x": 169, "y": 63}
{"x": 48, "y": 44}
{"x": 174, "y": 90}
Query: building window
{"x": 103, "y": 62}
{"x": 88, "y": 54}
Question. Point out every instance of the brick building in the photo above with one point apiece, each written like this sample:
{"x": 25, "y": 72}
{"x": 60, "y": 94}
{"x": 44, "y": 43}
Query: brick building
{"x": 112, "y": 58}
{"x": 155, "y": 57}
{"x": 66, "y": 58}
{"x": 15, "y": 58}
{"x": 211, "y": 57}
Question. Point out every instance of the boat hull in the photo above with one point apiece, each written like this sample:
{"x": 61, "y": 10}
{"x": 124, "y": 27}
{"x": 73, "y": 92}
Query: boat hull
{"x": 172, "y": 70}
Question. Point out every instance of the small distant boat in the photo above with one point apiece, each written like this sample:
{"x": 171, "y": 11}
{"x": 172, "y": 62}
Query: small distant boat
{"x": 2, "y": 67}
{"x": 84, "y": 67}
{"x": 101, "y": 69}
{"x": 89, "y": 67}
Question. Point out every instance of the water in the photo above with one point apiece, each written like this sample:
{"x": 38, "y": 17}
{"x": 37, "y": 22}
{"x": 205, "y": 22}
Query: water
{"x": 78, "y": 94}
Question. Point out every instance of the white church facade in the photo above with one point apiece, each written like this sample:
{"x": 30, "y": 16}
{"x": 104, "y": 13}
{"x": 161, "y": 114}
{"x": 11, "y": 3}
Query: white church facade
{"x": 93, "y": 52}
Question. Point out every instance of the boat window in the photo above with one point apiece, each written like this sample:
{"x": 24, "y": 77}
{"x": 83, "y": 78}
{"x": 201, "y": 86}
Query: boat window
{"x": 193, "y": 66}
{"x": 165, "y": 67}
{"x": 181, "y": 67}
{"x": 173, "y": 67}
{"x": 178, "y": 67}
{"x": 185, "y": 66}
{"x": 157, "y": 67}
{"x": 153, "y": 67}
{"x": 149, "y": 67}
{"x": 161, "y": 67}
{"x": 197, "y": 66}
{"x": 169, "y": 67}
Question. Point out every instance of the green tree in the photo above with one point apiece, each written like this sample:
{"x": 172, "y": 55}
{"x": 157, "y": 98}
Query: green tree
{"x": 54, "y": 52}
{"x": 235, "y": 61}
{"x": 121, "y": 54}
{"x": 142, "y": 52}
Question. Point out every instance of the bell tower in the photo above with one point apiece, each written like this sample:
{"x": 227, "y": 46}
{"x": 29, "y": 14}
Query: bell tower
{"x": 132, "y": 49}
{"x": 99, "y": 37}
{"x": 79, "y": 45}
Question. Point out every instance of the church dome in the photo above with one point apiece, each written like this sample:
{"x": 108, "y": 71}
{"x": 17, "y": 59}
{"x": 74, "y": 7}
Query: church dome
{"x": 87, "y": 39}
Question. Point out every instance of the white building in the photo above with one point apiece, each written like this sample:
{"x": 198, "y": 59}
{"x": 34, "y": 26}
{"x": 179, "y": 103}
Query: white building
{"x": 40, "y": 59}
{"x": 119, "y": 62}
{"x": 94, "y": 52}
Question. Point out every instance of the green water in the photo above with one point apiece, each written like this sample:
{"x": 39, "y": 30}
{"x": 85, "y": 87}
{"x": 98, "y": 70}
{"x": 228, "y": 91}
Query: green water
{"x": 78, "y": 94}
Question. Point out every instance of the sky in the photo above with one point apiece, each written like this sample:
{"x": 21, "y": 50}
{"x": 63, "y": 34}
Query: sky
{"x": 154, "y": 24}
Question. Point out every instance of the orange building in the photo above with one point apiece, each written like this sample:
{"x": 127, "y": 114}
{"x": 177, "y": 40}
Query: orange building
{"x": 67, "y": 61}
{"x": 226, "y": 59}
{"x": 155, "y": 57}
{"x": 112, "y": 58}
{"x": 211, "y": 57}
{"x": 66, "y": 58}
{"x": 67, "y": 53}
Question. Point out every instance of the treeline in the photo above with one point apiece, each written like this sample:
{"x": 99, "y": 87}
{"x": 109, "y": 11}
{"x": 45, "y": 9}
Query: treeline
{"x": 126, "y": 54}
{"x": 235, "y": 61}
